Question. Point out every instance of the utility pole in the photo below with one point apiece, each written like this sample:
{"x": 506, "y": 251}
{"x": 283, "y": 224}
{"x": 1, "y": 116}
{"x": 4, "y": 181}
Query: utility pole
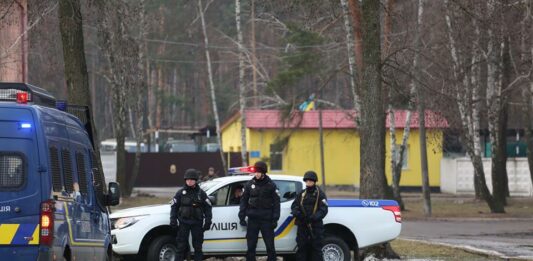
{"x": 321, "y": 134}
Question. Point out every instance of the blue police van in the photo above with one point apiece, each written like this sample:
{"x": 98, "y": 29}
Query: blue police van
{"x": 53, "y": 198}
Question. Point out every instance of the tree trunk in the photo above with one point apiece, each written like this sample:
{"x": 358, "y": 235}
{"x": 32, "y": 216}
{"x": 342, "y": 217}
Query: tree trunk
{"x": 351, "y": 54}
{"x": 77, "y": 78}
{"x": 254, "y": 56}
{"x": 372, "y": 180}
{"x": 421, "y": 115}
{"x": 355, "y": 12}
{"x": 528, "y": 112}
{"x": 387, "y": 27}
{"x": 139, "y": 101}
{"x": 495, "y": 105}
{"x": 502, "y": 135}
{"x": 211, "y": 84}
{"x": 242, "y": 89}
{"x": 112, "y": 37}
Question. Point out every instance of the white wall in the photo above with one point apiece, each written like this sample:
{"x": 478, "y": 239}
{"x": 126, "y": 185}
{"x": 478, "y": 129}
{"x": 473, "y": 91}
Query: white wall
{"x": 457, "y": 176}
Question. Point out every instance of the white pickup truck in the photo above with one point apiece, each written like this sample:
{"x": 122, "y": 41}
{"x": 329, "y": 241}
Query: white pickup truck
{"x": 144, "y": 232}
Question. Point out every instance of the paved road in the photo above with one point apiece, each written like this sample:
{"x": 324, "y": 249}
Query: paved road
{"x": 511, "y": 238}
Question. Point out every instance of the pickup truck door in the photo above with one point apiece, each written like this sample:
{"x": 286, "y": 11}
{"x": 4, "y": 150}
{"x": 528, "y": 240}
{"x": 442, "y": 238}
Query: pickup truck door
{"x": 226, "y": 234}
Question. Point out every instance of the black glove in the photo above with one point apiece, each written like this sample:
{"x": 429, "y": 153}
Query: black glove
{"x": 297, "y": 214}
{"x": 207, "y": 226}
{"x": 274, "y": 224}
{"x": 174, "y": 224}
{"x": 314, "y": 218}
{"x": 243, "y": 223}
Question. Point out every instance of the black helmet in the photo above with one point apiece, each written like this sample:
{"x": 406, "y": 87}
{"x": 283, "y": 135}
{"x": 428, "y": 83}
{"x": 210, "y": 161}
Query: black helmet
{"x": 310, "y": 175}
{"x": 261, "y": 167}
{"x": 191, "y": 174}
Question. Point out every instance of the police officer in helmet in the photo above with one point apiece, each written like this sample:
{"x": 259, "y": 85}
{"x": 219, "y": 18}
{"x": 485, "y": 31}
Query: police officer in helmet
{"x": 192, "y": 208}
{"x": 261, "y": 204}
{"x": 310, "y": 207}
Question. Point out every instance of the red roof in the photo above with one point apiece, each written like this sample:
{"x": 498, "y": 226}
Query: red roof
{"x": 331, "y": 119}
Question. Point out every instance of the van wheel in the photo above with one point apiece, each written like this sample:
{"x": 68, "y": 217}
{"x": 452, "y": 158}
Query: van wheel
{"x": 162, "y": 248}
{"x": 335, "y": 249}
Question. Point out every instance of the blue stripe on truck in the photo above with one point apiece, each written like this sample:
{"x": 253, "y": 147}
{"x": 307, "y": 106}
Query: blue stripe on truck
{"x": 364, "y": 203}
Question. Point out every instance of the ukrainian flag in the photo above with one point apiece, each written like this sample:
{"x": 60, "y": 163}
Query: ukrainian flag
{"x": 307, "y": 106}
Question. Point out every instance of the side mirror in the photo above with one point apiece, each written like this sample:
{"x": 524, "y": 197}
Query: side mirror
{"x": 113, "y": 195}
{"x": 212, "y": 199}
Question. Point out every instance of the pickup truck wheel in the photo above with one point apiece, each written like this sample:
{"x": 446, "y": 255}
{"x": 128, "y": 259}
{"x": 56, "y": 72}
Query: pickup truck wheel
{"x": 335, "y": 249}
{"x": 162, "y": 248}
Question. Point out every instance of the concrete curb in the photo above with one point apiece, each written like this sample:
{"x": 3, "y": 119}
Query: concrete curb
{"x": 471, "y": 249}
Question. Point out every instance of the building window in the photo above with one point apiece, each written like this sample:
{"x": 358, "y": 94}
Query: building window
{"x": 405, "y": 158}
{"x": 276, "y": 157}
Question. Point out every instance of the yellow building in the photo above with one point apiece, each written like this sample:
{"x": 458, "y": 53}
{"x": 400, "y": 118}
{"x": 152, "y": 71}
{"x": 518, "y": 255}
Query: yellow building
{"x": 293, "y": 147}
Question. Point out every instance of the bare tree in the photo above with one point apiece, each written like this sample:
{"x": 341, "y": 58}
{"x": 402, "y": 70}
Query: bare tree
{"x": 211, "y": 83}
{"x": 350, "y": 45}
{"x": 495, "y": 100}
{"x": 76, "y": 75}
{"x": 115, "y": 46}
{"x": 140, "y": 87}
{"x": 421, "y": 114}
{"x": 242, "y": 86}
{"x": 397, "y": 152}
{"x": 355, "y": 12}
{"x": 528, "y": 118}
{"x": 467, "y": 88}
{"x": 526, "y": 60}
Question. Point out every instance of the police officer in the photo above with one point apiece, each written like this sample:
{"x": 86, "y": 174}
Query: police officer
{"x": 210, "y": 174}
{"x": 310, "y": 207}
{"x": 260, "y": 203}
{"x": 192, "y": 208}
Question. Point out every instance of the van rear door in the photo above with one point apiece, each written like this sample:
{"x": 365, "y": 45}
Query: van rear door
{"x": 20, "y": 184}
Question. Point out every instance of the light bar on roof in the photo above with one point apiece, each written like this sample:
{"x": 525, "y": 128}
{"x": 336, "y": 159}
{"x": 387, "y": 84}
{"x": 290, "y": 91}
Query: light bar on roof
{"x": 11, "y": 94}
{"x": 241, "y": 170}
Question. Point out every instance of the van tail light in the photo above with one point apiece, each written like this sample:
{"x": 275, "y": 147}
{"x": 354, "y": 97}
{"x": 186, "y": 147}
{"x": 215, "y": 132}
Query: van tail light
{"x": 396, "y": 211}
{"x": 47, "y": 223}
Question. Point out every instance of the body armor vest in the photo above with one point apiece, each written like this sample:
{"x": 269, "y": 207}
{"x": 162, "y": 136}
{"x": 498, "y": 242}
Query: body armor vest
{"x": 309, "y": 201}
{"x": 261, "y": 195}
{"x": 191, "y": 205}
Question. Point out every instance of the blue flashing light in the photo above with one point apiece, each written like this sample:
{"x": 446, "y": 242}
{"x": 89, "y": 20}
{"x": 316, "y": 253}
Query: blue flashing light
{"x": 61, "y": 105}
{"x": 25, "y": 125}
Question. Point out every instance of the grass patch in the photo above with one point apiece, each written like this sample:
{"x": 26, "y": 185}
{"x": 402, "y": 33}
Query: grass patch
{"x": 452, "y": 207}
{"x": 416, "y": 250}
